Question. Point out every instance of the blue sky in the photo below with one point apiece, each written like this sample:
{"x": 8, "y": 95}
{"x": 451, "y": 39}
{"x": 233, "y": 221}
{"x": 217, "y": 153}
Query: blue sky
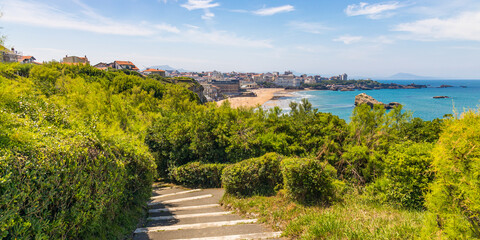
{"x": 362, "y": 38}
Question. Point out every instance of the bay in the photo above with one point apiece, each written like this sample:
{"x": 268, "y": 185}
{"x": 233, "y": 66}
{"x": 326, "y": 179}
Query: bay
{"x": 464, "y": 95}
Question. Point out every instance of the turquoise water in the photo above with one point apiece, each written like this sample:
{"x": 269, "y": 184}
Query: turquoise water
{"x": 419, "y": 101}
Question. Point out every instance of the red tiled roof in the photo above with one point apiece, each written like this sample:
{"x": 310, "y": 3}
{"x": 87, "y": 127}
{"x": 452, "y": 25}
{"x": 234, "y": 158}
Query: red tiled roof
{"x": 125, "y": 63}
{"x": 23, "y": 58}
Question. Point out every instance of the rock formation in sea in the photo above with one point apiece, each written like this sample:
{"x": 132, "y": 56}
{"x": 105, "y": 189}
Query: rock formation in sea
{"x": 363, "y": 98}
{"x": 441, "y": 97}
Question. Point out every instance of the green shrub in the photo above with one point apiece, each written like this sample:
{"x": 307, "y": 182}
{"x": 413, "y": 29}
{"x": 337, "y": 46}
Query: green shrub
{"x": 406, "y": 177}
{"x": 70, "y": 187}
{"x": 371, "y": 133}
{"x": 255, "y": 176}
{"x": 418, "y": 130}
{"x": 308, "y": 180}
{"x": 196, "y": 174}
{"x": 454, "y": 201}
{"x": 73, "y": 163}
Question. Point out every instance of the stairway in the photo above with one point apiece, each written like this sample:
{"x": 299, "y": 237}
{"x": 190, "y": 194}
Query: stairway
{"x": 193, "y": 214}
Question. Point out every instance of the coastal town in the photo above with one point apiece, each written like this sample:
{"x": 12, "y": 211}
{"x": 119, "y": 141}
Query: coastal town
{"x": 218, "y": 86}
{"x": 231, "y": 120}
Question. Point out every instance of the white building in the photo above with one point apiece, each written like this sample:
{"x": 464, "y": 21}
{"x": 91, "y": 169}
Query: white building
{"x": 288, "y": 80}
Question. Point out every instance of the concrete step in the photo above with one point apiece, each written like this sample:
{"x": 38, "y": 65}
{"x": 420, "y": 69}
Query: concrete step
{"x": 224, "y": 231}
{"x": 193, "y": 220}
{"x": 178, "y": 193}
{"x": 194, "y": 225}
{"x": 265, "y": 235}
{"x": 184, "y": 209}
{"x": 178, "y": 200}
{"x": 193, "y": 214}
{"x": 164, "y": 195}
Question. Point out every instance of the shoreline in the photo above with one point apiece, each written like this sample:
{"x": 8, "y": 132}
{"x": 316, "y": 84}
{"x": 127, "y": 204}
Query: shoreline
{"x": 263, "y": 95}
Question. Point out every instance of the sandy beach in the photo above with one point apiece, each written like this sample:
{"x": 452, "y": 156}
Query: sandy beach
{"x": 263, "y": 96}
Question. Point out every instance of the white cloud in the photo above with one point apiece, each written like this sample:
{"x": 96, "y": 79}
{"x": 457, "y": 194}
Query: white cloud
{"x": 191, "y": 26}
{"x": 373, "y": 11}
{"x": 167, "y": 28}
{"x": 208, "y": 15}
{"x": 383, "y": 40}
{"x": 199, "y": 4}
{"x": 215, "y": 37}
{"x": 202, "y": 4}
{"x": 39, "y": 14}
{"x": 309, "y": 27}
{"x": 239, "y": 11}
{"x": 465, "y": 26}
{"x": 312, "y": 48}
{"x": 228, "y": 39}
{"x": 274, "y": 10}
{"x": 347, "y": 39}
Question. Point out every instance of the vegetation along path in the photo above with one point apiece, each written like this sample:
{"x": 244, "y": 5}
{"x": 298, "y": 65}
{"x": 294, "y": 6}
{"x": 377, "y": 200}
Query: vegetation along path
{"x": 179, "y": 213}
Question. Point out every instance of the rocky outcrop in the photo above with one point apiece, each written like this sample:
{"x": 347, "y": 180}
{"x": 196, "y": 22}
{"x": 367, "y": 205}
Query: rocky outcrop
{"x": 198, "y": 89}
{"x": 392, "y": 105}
{"x": 363, "y": 98}
{"x": 445, "y": 86}
{"x": 441, "y": 97}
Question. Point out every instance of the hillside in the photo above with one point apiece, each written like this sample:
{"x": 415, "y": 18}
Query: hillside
{"x": 80, "y": 148}
{"x": 73, "y": 161}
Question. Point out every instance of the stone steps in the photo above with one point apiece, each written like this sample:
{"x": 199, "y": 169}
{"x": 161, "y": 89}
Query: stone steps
{"x": 193, "y": 214}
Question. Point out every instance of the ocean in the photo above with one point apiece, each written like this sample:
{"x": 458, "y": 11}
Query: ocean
{"x": 419, "y": 101}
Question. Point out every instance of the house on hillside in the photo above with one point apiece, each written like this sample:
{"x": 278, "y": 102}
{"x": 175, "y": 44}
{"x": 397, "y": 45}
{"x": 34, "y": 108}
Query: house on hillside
{"x": 27, "y": 59}
{"x": 125, "y": 65}
{"x": 75, "y": 60}
{"x": 8, "y": 55}
{"x": 151, "y": 71}
{"x": 103, "y": 66}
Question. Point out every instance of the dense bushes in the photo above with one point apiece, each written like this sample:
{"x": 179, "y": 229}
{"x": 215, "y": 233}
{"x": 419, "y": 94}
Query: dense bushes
{"x": 407, "y": 176}
{"x": 305, "y": 180}
{"x": 73, "y": 162}
{"x": 308, "y": 180}
{"x": 455, "y": 198}
{"x": 196, "y": 174}
{"x": 67, "y": 186}
{"x": 418, "y": 130}
{"x": 253, "y": 176}
{"x": 190, "y": 132}
{"x": 371, "y": 133}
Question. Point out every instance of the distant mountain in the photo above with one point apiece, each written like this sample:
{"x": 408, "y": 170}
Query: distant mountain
{"x": 406, "y": 76}
{"x": 168, "y": 68}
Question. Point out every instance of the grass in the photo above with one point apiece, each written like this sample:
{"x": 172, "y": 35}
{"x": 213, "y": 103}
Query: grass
{"x": 352, "y": 218}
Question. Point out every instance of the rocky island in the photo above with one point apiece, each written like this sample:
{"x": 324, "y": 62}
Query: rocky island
{"x": 441, "y": 97}
{"x": 363, "y": 98}
{"x": 351, "y": 85}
